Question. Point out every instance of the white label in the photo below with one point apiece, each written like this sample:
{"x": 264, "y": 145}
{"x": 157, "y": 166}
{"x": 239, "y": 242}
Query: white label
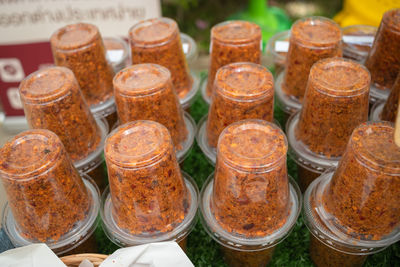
{"x": 115, "y": 56}
{"x": 281, "y": 46}
{"x": 13, "y": 97}
{"x": 354, "y": 39}
{"x": 23, "y": 21}
{"x": 11, "y": 70}
{"x": 185, "y": 48}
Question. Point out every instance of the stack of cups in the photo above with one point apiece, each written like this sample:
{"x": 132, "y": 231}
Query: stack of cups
{"x": 311, "y": 39}
{"x": 336, "y": 101}
{"x": 52, "y": 100}
{"x": 231, "y": 41}
{"x": 241, "y": 91}
{"x": 249, "y": 205}
{"x": 355, "y": 211}
{"x": 158, "y": 41}
{"x": 48, "y": 201}
{"x": 80, "y": 48}
{"x": 149, "y": 199}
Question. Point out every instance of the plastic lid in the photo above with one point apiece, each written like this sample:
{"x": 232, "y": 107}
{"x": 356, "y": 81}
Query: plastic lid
{"x": 391, "y": 18}
{"x": 153, "y": 32}
{"x": 203, "y": 89}
{"x": 244, "y": 81}
{"x": 240, "y": 242}
{"x": 138, "y": 143}
{"x": 189, "y": 98}
{"x": 288, "y": 104}
{"x": 236, "y": 32}
{"x": 80, "y": 233}
{"x": 316, "y": 32}
{"x": 27, "y": 154}
{"x": 188, "y": 143}
{"x": 252, "y": 144}
{"x": 376, "y": 94}
{"x": 75, "y": 36}
{"x": 376, "y": 110}
{"x": 123, "y": 238}
{"x": 47, "y": 85}
{"x": 141, "y": 79}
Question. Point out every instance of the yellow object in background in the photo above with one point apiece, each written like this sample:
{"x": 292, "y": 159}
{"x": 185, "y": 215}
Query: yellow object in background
{"x": 367, "y": 12}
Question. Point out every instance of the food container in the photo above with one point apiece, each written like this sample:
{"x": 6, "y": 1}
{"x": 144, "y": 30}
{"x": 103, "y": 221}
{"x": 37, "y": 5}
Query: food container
{"x": 335, "y": 103}
{"x": 189, "y": 47}
{"x": 387, "y": 111}
{"x": 241, "y": 91}
{"x": 145, "y": 92}
{"x": 48, "y": 201}
{"x": 231, "y": 41}
{"x": 158, "y": 41}
{"x": 357, "y": 41}
{"x": 311, "y": 39}
{"x": 276, "y": 51}
{"x": 383, "y": 60}
{"x": 149, "y": 199}
{"x": 80, "y": 48}
{"x": 248, "y": 206}
{"x": 52, "y": 100}
{"x": 376, "y": 111}
{"x": 117, "y": 53}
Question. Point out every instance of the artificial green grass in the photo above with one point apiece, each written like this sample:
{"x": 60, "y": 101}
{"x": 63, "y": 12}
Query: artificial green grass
{"x": 203, "y": 251}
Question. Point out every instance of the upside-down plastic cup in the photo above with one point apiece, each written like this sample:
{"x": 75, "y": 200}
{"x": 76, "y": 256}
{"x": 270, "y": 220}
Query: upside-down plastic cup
{"x": 117, "y": 52}
{"x": 145, "y": 92}
{"x": 48, "y": 201}
{"x": 52, "y": 100}
{"x": 80, "y": 48}
{"x": 158, "y": 41}
{"x": 231, "y": 41}
{"x": 383, "y": 60}
{"x": 149, "y": 199}
{"x": 357, "y": 41}
{"x": 336, "y": 102}
{"x": 355, "y": 210}
{"x": 248, "y": 206}
{"x": 387, "y": 111}
{"x": 189, "y": 47}
{"x": 241, "y": 91}
{"x": 276, "y": 51}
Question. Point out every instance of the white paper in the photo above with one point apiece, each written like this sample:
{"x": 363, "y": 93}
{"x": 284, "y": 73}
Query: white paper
{"x": 36, "y": 255}
{"x": 281, "y": 46}
{"x": 354, "y": 39}
{"x": 163, "y": 254}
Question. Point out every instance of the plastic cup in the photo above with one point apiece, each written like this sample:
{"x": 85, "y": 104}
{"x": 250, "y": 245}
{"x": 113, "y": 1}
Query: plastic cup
{"x": 276, "y": 50}
{"x": 117, "y": 53}
{"x": 47, "y": 199}
{"x": 145, "y": 92}
{"x": 357, "y": 41}
{"x": 241, "y": 91}
{"x": 389, "y": 110}
{"x": 80, "y": 48}
{"x": 52, "y": 100}
{"x": 311, "y": 39}
{"x": 232, "y": 41}
{"x": 250, "y": 205}
{"x": 149, "y": 200}
{"x": 189, "y": 47}
{"x": 336, "y": 102}
{"x": 383, "y": 60}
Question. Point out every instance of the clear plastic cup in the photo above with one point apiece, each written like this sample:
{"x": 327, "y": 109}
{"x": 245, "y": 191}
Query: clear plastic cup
{"x": 383, "y": 60}
{"x": 311, "y": 39}
{"x": 52, "y": 100}
{"x": 145, "y": 92}
{"x": 276, "y": 51}
{"x": 47, "y": 199}
{"x": 362, "y": 200}
{"x": 389, "y": 110}
{"x": 189, "y": 47}
{"x": 149, "y": 199}
{"x": 158, "y": 41}
{"x": 117, "y": 52}
{"x": 232, "y": 41}
{"x": 336, "y": 102}
{"x": 376, "y": 111}
{"x": 250, "y": 205}
{"x": 357, "y": 41}
{"x": 241, "y": 91}
{"x": 80, "y": 48}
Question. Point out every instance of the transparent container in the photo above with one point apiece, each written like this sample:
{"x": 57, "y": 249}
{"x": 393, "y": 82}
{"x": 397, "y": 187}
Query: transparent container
{"x": 149, "y": 199}
{"x": 145, "y": 92}
{"x": 189, "y": 47}
{"x": 232, "y": 41}
{"x": 276, "y": 51}
{"x": 357, "y": 41}
{"x": 158, "y": 41}
{"x": 376, "y": 111}
{"x": 47, "y": 199}
{"x": 311, "y": 39}
{"x": 389, "y": 110}
{"x": 383, "y": 60}
{"x": 248, "y": 206}
{"x": 117, "y": 52}
{"x": 80, "y": 48}
{"x": 362, "y": 200}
